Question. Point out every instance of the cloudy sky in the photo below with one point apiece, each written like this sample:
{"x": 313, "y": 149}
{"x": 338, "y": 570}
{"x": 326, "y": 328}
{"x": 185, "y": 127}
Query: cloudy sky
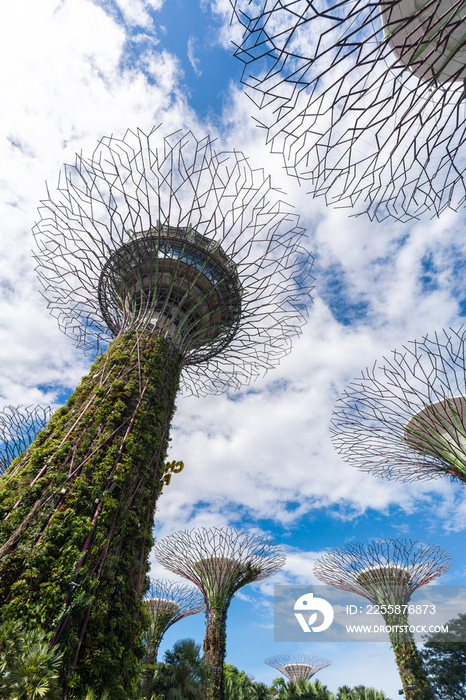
{"x": 76, "y": 70}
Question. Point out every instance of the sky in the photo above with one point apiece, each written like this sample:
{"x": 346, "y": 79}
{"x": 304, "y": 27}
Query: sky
{"x": 260, "y": 458}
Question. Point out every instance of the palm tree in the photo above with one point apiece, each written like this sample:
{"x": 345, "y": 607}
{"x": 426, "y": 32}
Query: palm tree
{"x": 260, "y": 691}
{"x": 29, "y": 670}
{"x": 182, "y": 675}
{"x": 360, "y": 692}
{"x": 237, "y": 687}
{"x": 304, "y": 689}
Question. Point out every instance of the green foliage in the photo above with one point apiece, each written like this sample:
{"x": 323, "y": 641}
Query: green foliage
{"x": 28, "y": 668}
{"x": 91, "y": 695}
{"x": 408, "y": 660}
{"x": 237, "y": 686}
{"x": 305, "y": 690}
{"x": 360, "y": 692}
{"x": 61, "y": 525}
{"x": 182, "y": 675}
{"x": 444, "y": 657}
{"x": 260, "y": 691}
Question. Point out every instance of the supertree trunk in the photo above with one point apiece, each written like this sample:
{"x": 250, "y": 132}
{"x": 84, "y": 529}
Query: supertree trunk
{"x": 77, "y": 510}
{"x": 168, "y": 247}
{"x": 388, "y": 572}
{"x": 219, "y": 562}
{"x": 412, "y": 673}
{"x": 215, "y": 650}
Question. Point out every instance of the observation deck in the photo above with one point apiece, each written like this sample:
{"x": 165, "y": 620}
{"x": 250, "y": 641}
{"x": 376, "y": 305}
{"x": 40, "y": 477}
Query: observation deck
{"x": 429, "y": 38}
{"x": 388, "y": 583}
{"x": 439, "y": 430}
{"x": 176, "y": 282}
{"x": 296, "y": 671}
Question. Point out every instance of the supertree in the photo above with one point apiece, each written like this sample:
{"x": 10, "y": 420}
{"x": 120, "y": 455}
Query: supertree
{"x": 406, "y": 420}
{"x": 190, "y": 263}
{"x": 18, "y": 428}
{"x": 167, "y": 602}
{"x": 219, "y": 561}
{"x": 297, "y": 666}
{"x": 387, "y": 572}
{"x": 365, "y": 101}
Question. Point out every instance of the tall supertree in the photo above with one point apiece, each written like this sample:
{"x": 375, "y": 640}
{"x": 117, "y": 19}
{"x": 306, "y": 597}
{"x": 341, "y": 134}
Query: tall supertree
{"x": 18, "y": 428}
{"x": 365, "y": 101}
{"x": 406, "y": 419}
{"x": 297, "y": 666}
{"x": 219, "y": 561}
{"x": 189, "y": 264}
{"x": 387, "y": 572}
{"x": 167, "y": 602}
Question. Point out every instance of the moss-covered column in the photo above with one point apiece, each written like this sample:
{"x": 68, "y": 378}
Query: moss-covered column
{"x": 76, "y": 512}
{"x": 412, "y": 674}
{"x": 215, "y": 648}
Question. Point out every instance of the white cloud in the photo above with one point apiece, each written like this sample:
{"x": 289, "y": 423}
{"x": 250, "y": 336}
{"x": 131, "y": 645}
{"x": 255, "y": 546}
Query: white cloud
{"x": 265, "y": 452}
{"x": 135, "y": 12}
{"x": 61, "y": 95}
{"x": 195, "y": 62}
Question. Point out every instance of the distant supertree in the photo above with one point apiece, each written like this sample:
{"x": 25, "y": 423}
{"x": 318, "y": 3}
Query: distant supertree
{"x": 387, "y": 572}
{"x": 220, "y": 562}
{"x": 406, "y": 420}
{"x": 297, "y": 666}
{"x": 166, "y": 602}
{"x": 365, "y": 101}
{"x": 18, "y": 428}
{"x": 190, "y": 261}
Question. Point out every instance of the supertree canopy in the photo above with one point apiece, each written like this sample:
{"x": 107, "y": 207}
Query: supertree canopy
{"x": 219, "y": 561}
{"x": 167, "y": 602}
{"x": 170, "y": 237}
{"x": 190, "y": 263}
{"x": 365, "y": 101}
{"x": 297, "y": 666}
{"x": 387, "y": 572}
{"x": 406, "y": 420}
{"x": 18, "y": 428}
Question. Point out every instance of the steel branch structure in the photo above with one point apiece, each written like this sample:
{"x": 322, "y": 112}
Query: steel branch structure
{"x": 406, "y": 420}
{"x": 388, "y": 572}
{"x": 365, "y": 101}
{"x": 191, "y": 264}
{"x": 167, "y": 602}
{"x": 18, "y": 428}
{"x": 297, "y": 666}
{"x": 220, "y": 562}
{"x": 170, "y": 237}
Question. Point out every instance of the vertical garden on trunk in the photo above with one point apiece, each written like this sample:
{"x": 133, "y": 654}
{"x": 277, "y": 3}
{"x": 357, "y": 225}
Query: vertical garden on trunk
{"x": 182, "y": 265}
{"x": 77, "y": 511}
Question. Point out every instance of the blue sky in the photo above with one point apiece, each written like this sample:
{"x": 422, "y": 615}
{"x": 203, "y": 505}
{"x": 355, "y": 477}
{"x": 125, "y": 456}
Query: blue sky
{"x": 260, "y": 458}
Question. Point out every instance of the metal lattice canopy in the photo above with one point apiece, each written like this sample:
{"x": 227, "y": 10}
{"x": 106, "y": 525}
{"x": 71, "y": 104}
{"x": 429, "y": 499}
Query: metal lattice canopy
{"x": 297, "y": 666}
{"x": 172, "y": 599}
{"x": 168, "y": 602}
{"x": 18, "y": 428}
{"x": 365, "y": 101}
{"x": 219, "y": 560}
{"x": 386, "y": 572}
{"x": 169, "y": 236}
{"x": 406, "y": 420}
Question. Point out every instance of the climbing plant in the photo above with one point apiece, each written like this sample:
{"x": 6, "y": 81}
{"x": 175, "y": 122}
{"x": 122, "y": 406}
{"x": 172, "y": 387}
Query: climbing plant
{"x": 76, "y": 512}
